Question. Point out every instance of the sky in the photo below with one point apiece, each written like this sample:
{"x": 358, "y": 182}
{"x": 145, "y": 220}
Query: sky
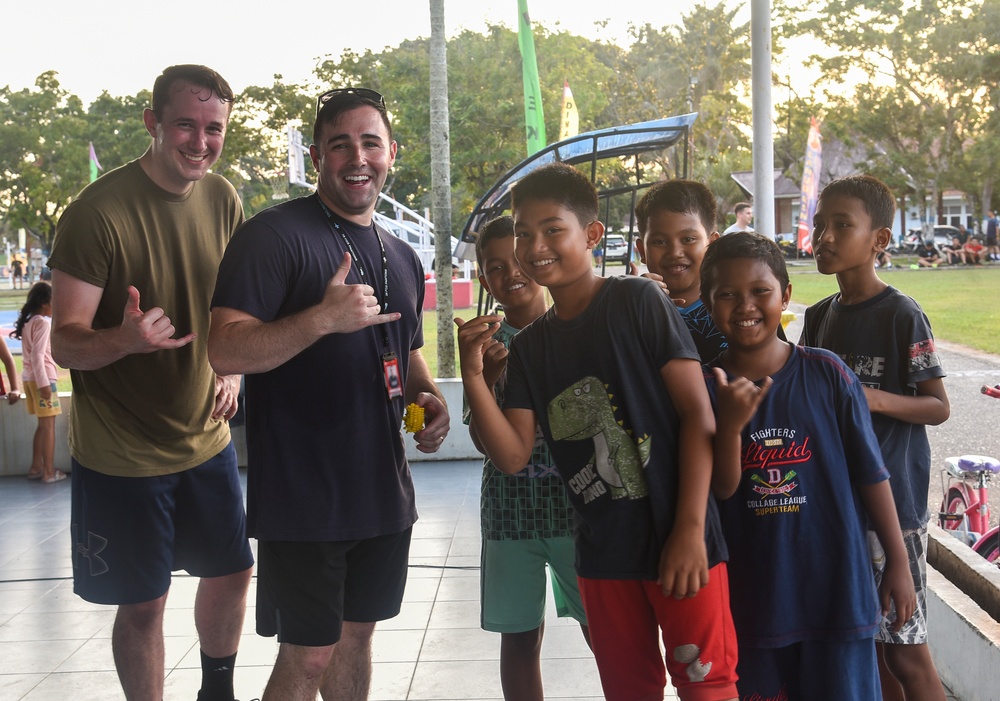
{"x": 121, "y": 45}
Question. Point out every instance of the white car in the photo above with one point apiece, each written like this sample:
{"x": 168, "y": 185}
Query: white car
{"x": 615, "y": 249}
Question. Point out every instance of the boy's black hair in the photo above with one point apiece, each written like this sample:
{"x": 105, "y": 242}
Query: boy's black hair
{"x": 875, "y": 195}
{"x": 200, "y": 76}
{"x": 39, "y": 295}
{"x": 561, "y": 183}
{"x": 740, "y": 206}
{"x": 681, "y": 196}
{"x": 495, "y": 229}
{"x": 742, "y": 244}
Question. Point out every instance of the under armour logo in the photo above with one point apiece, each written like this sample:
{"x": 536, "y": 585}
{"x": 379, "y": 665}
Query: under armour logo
{"x": 90, "y": 550}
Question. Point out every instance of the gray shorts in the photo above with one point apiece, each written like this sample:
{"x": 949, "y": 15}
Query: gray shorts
{"x": 914, "y": 631}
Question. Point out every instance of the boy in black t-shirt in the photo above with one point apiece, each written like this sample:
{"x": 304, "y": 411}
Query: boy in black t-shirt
{"x": 885, "y": 338}
{"x": 614, "y": 381}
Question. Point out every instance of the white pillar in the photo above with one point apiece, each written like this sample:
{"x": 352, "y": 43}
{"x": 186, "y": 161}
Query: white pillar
{"x": 763, "y": 139}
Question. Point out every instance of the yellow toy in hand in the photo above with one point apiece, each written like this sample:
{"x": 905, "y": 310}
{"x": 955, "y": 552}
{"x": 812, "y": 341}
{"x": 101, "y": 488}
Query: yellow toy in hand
{"x": 413, "y": 419}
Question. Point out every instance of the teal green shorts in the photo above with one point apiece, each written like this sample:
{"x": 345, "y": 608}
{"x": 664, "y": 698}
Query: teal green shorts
{"x": 512, "y": 583}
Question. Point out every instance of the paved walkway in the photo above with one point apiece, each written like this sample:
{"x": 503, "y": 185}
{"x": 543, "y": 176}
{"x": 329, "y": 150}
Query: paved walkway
{"x": 54, "y": 646}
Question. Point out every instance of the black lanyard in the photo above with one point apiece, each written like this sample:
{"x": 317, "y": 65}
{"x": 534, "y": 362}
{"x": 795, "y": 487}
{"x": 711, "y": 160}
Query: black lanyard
{"x": 330, "y": 217}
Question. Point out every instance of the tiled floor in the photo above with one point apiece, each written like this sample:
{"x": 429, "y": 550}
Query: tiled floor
{"x": 54, "y": 646}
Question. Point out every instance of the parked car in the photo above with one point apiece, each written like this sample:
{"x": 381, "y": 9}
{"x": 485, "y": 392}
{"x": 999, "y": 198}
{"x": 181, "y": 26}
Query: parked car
{"x": 615, "y": 249}
{"x": 942, "y": 237}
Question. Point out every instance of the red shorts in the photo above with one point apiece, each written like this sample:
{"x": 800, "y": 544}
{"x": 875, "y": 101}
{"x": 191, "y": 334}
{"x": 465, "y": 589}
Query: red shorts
{"x": 625, "y": 617}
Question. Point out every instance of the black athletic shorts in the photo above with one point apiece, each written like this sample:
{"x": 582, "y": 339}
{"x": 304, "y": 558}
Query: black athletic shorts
{"x": 305, "y": 591}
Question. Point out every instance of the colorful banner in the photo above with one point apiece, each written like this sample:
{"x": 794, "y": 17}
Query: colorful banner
{"x": 569, "y": 125}
{"x": 94, "y": 163}
{"x": 810, "y": 186}
{"x": 534, "y": 119}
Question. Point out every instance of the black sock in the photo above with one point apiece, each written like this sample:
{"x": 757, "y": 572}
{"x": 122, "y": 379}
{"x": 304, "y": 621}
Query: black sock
{"x": 216, "y": 678}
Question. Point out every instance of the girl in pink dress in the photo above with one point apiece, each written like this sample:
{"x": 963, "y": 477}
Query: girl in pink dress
{"x": 39, "y": 375}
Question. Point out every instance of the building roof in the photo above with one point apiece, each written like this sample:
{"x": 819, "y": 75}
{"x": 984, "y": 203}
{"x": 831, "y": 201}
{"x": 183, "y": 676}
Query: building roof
{"x": 783, "y": 187}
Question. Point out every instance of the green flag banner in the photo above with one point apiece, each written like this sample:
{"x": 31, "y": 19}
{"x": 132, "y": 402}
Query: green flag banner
{"x": 534, "y": 118}
{"x": 94, "y": 163}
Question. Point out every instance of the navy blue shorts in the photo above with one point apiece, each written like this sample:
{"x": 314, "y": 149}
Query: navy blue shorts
{"x": 305, "y": 591}
{"x": 812, "y": 670}
{"x": 130, "y": 533}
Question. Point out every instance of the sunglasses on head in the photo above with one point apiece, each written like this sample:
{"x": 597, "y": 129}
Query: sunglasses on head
{"x": 360, "y": 92}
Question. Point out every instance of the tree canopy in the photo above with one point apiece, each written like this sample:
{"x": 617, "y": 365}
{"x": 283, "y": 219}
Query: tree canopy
{"x": 921, "y": 104}
{"x": 910, "y": 85}
{"x": 46, "y": 131}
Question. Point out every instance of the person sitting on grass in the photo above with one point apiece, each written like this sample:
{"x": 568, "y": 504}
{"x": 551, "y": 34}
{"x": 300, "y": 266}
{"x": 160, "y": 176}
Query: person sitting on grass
{"x": 974, "y": 251}
{"x": 928, "y": 256}
{"x": 954, "y": 252}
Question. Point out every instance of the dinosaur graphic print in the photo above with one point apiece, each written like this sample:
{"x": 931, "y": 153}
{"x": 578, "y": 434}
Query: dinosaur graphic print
{"x": 584, "y": 411}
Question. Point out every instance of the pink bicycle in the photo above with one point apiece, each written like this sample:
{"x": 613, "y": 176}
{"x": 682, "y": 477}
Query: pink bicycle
{"x": 965, "y": 510}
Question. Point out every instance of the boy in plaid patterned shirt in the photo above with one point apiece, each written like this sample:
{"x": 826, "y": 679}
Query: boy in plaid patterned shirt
{"x": 527, "y": 520}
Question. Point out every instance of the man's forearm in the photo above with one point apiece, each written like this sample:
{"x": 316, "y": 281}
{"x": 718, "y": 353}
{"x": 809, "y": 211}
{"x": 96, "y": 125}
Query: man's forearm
{"x": 79, "y": 348}
{"x": 248, "y": 346}
{"x": 418, "y": 378}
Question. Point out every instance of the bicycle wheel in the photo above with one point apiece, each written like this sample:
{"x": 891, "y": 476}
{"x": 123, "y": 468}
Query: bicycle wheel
{"x": 953, "y": 510}
{"x": 989, "y": 547}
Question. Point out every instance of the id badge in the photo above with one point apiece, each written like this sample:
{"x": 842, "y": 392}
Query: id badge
{"x": 390, "y": 371}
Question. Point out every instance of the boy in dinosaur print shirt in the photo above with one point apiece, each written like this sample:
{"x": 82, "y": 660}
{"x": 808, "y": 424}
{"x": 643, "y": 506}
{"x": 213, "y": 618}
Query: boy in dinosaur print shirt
{"x": 613, "y": 379}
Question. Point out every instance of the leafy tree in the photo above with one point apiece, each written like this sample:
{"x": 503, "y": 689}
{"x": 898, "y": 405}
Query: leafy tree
{"x": 700, "y": 65}
{"x": 485, "y": 102}
{"x": 982, "y": 62}
{"x": 611, "y": 85}
{"x": 44, "y": 156}
{"x": 918, "y": 105}
{"x": 45, "y": 134}
{"x": 116, "y": 128}
{"x": 260, "y": 152}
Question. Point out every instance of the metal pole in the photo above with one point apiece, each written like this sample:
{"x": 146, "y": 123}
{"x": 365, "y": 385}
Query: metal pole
{"x": 763, "y": 139}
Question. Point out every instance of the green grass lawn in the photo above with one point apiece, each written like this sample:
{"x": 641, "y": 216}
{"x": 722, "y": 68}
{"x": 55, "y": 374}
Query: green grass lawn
{"x": 962, "y": 302}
